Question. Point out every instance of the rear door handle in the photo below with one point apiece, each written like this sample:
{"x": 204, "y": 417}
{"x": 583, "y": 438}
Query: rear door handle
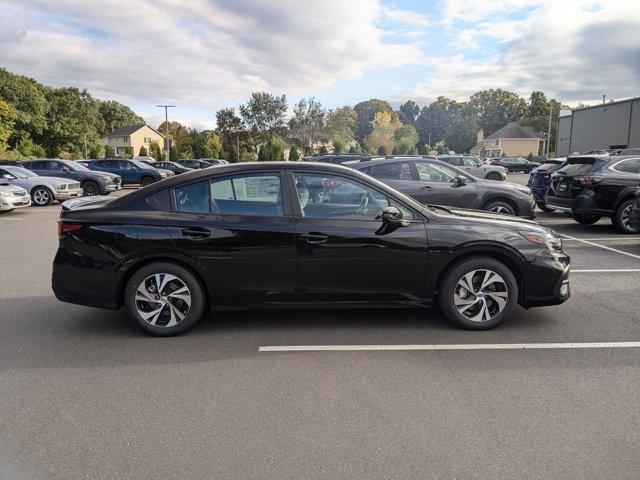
{"x": 196, "y": 232}
{"x": 315, "y": 238}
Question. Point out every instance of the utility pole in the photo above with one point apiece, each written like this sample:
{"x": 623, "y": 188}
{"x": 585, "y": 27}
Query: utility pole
{"x": 604, "y": 98}
{"x": 85, "y": 145}
{"x": 238, "y": 148}
{"x": 166, "y": 130}
{"x": 549, "y": 129}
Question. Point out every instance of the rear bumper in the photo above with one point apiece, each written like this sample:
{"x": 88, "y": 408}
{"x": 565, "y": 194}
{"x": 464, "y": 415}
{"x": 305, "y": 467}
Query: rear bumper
{"x": 583, "y": 205}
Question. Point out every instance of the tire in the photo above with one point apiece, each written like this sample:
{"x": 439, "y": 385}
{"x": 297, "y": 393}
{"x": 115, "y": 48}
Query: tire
{"x": 146, "y": 181}
{"x": 89, "y": 188}
{"x": 586, "y": 219}
{"x": 498, "y": 206}
{"x": 41, "y": 196}
{"x": 484, "y": 308}
{"x": 494, "y": 176}
{"x": 543, "y": 207}
{"x": 161, "y": 314}
{"x": 621, "y": 219}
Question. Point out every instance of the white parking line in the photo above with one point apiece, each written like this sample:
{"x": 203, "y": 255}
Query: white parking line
{"x": 602, "y": 246}
{"x": 608, "y": 270}
{"x": 463, "y": 346}
{"x": 605, "y": 239}
{"x": 10, "y": 219}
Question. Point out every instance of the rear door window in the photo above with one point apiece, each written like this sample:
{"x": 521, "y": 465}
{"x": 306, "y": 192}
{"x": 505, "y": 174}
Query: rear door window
{"x": 193, "y": 198}
{"x": 255, "y": 194}
{"x": 395, "y": 171}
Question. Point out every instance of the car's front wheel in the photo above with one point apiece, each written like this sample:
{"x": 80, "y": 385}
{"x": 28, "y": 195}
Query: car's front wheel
{"x": 146, "y": 181}
{"x": 89, "y": 187}
{"x": 621, "y": 218}
{"x": 478, "y": 293}
{"x": 41, "y": 196}
{"x": 494, "y": 176}
{"x": 498, "y": 206}
{"x": 164, "y": 299}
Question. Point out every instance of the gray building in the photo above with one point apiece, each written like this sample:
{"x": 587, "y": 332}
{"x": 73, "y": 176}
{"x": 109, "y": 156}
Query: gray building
{"x": 604, "y": 126}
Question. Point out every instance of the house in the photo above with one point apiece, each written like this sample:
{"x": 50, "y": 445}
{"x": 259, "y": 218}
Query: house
{"x": 127, "y": 140}
{"x": 512, "y": 140}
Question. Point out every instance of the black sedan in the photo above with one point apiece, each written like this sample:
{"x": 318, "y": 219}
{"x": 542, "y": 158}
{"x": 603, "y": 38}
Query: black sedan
{"x": 515, "y": 164}
{"x": 432, "y": 181}
{"x": 252, "y": 234}
{"x": 172, "y": 166}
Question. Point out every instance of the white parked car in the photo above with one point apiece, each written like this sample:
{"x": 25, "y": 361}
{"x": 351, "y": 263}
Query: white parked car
{"x": 43, "y": 190}
{"x": 12, "y": 197}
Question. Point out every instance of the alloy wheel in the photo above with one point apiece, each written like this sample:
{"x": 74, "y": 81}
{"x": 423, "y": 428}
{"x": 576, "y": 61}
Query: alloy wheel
{"x": 480, "y": 295}
{"x": 626, "y": 215}
{"x": 41, "y": 196}
{"x": 163, "y": 300}
{"x": 500, "y": 209}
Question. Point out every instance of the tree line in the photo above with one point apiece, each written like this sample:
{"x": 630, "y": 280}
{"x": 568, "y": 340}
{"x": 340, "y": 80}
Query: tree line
{"x": 37, "y": 121}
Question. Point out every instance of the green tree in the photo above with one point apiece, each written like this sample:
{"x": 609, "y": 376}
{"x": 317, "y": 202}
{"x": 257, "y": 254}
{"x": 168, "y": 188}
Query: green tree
{"x": 155, "y": 151}
{"x": 307, "y": 124}
{"x": 294, "y": 156}
{"x": 495, "y": 108}
{"x": 408, "y": 112}
{"x": 382, "y": 134}
{"x": 382, "y": 150}
{"x": 272, "y": 150}
{"x": 338, "y": 145}
{"x": 341, "y": 125}
{"x": 323, "y": 150}
{"x": 366, "y": 112}
{"x": 264, "y": 115}
{"x": 28, "y": 99}
{"x": 8, "y": 118}
{"x": 109, "y": 152}
{"x": 114, "y": 115}
{"x": 406, "y": 139}
{"x": 27, "y": 147}
{"x": 142, "y": 152}
{"x": 353, "y": 149}
{"x": 229, "y": 125}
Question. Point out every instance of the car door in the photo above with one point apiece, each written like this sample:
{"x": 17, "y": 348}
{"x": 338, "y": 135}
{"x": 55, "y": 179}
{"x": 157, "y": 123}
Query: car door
{"x": 59, "y": 169}
{"x": 444, "y": 187}
{"x": 239, "y": 228}
{"x": 39, "y": 167}
{"x": 343, "y": 255}
{"x": 128, "y": 171}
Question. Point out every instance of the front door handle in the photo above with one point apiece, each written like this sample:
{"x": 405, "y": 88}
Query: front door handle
{"x": 315, "y": 238}
{"x": 196, "y": 232}
{"x": 425, "y": 187}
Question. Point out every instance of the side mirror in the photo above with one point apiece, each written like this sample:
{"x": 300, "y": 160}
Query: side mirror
{"x": 460, "y": 180}
{"x": 391, "y": 220}
{"x": 65, "y": 169}
{"x": 7, "y": 176}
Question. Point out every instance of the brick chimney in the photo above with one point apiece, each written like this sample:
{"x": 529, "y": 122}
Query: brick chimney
{"x": 480, "y": 136}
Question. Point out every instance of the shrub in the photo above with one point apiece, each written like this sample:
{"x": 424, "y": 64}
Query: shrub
{"x": 142, "y": 152}
{"x": 294, "y": 156}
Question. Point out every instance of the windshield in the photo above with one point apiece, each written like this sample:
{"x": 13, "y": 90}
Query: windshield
{"x": 550, "y": 166}
{"x": 140, "y": 164}
{"x": 20, "y": 172}
{"x": 76, "y": 167}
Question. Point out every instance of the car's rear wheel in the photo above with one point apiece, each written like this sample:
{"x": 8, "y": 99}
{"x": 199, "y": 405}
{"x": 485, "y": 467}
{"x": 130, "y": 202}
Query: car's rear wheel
{"x": 164, "y": 299}
{"x": 146, "y": 181}
{"x": 494, "y": 176}
{"x": 621, "y": 219}
{"x": 586, "y": 219}
{"x": 478, "y": 293}
{"x": 89, "y": 187}
{"x": 498, "y": 206}
{"x": 543, "y": 207}
{"x": 41, "y": 196}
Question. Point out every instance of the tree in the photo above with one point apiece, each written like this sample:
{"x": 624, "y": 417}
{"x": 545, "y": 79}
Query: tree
{"x": 143, "y": 152}
{"x": 383, "y": 131}
{"x": 294, "y": 156}
{"x": 114, "y": 115}
{"x": 353, "y": 149}
{"x": 228, "y": 124}
{"x": 307, "y": 124}
{"x": 8, "y": 118}
{"x": 323, "y": 150}
{"x": 366, "y": 112}
{"x": 264, "y": 114}
{"x": 338, "y": 145}
{"x": 382, "y": 150}
{"x": 109, "y": 152}
{"x": 495, "y": 108}
{"x": 28, "y": 99}
{"x": 341, "y": 125}
{"x": 154, "y": 150}
{"x": 406, "y": 139}
{"x": 408, "y": 112}
{"x": 272, "y": 150}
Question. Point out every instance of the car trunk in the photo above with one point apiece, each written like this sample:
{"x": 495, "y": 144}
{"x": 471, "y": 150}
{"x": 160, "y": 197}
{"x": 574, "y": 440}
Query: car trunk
{"x": 569, "y": 180}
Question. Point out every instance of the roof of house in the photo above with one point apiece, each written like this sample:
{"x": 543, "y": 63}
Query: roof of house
{"x": 126, "y": 130}
{"x": 513, "y": 130}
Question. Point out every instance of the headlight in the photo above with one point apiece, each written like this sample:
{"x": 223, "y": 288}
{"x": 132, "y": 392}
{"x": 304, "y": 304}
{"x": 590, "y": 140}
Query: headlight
{"x": 106, "y": 178}
{"x": 551, "y": 241}
{"x": 61, "y": 187}
{"x": 525, "y": 190}
{"x": 4, "y": 193}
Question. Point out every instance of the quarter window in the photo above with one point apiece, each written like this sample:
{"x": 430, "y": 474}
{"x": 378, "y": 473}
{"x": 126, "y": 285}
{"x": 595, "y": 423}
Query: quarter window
{"x": 430, "y": 172}
{"x": 629, "y": 166}
{"x": 330, "y": 196}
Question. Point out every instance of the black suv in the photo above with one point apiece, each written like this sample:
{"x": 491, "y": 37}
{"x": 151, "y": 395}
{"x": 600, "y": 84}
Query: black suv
{"x": 93, "y": 183}
{"x": 593, "y": 187}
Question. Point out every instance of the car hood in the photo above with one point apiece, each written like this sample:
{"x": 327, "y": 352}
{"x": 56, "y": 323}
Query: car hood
{"x": 48, "y": 181}
{"x": 7, "y": 187}
{"x": 497, "y": 219}
{"x": 503, "y": 186}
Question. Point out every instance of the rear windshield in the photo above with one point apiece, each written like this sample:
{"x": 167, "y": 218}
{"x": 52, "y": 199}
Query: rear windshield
{"x": 581, "y": 166}
{"x": 550, "y": 166}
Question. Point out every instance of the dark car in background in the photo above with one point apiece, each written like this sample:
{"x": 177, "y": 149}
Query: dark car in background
{"x": 515, "y": 164}
{"x": 338, "y": 158}
{"x": 132, "y": 172}
{"x": 540, "y": 180}
{"x": 194, "y": 164}
{"x": 250, "y": 234}
{"x": 172, "y": 166}
{"x": 592, "y": 187}
{"x": 432, "y": 181}
{"x": 475, "y": 167}
{"x": 92, "y": 183}
{"x": 626, "y": 151}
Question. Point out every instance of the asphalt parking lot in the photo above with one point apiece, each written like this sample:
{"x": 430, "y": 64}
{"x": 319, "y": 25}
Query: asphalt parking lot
{"x": 83, "y": 394}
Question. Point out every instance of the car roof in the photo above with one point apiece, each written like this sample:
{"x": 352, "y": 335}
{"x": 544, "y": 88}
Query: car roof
{"x": 381, "y": 161}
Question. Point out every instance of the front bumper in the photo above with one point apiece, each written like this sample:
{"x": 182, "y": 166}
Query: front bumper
{"x": 527, "y": 207}
{"x": 546, "y": 281}
{"x": 112, "y": 187}
{"x": 10, "y": 202}
{"x": 62, "y": 195}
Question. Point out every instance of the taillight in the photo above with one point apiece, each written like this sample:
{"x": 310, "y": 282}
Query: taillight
{"x": 65, "y": 228}
{"x": 591, "y": 180}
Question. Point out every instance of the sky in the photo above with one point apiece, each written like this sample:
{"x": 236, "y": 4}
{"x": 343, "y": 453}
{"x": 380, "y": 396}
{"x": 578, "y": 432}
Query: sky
{"x": 202, "y": 55}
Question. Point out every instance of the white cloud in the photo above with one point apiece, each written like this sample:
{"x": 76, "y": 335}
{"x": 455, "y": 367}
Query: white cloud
{"x": 574, "y": 50}
{"x": 407, "y": 17}
{"x": 199, "y": 52}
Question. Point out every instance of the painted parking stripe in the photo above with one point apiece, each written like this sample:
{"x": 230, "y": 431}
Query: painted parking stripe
{"x": 10, "y": 219}
{"x": 463, "y": 346}
{"x": 621, "y": 252}
{"x": 608, "y": 270}
{"x": 611, "y": 239}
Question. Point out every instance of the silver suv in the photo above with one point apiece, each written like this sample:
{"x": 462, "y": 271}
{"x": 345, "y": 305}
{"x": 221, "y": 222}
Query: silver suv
{"x": 475, "y": 167}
